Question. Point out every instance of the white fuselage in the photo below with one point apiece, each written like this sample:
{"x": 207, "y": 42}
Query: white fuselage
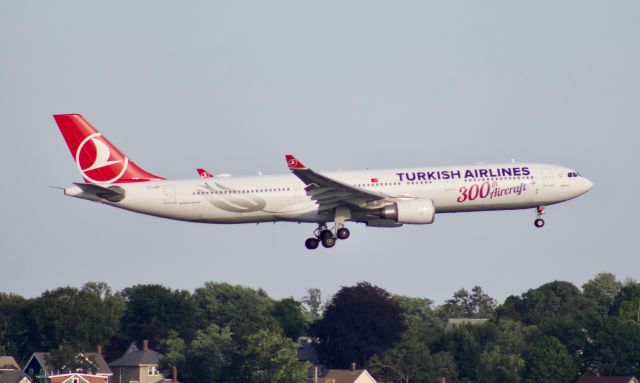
{"x": 284, "y": 198}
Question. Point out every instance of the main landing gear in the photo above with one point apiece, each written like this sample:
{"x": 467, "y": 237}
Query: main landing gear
{"x": 539, "y": 222}
{"x": 326, "y": 237}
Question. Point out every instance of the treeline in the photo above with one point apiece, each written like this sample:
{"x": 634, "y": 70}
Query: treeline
{"x": 225, "y": 333}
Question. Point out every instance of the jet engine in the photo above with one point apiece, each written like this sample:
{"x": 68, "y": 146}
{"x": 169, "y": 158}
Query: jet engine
{"x": 412, "y": 211}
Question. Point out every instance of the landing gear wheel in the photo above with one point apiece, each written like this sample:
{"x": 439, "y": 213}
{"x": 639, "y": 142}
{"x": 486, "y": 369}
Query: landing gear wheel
{"x": 311, "y": 243}
{"x": 325, "y": 234}
{"x": 329, "y": 242}
{"x": 343, "y": 233}
{"x": 539, "y": 222}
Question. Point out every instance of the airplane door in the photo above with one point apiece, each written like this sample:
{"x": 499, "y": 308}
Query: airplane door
{"x": 169, "y": 194}
{"x": 547, "y": 177}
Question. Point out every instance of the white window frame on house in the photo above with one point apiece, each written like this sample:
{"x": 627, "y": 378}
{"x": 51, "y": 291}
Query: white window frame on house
{"x": 75, "y": 380}
{"x": 152, "y": 370}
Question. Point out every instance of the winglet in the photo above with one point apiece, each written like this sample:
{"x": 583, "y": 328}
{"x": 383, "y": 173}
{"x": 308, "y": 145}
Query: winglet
{"x": 294, "y": 163}
{"x": 204, "y": 173}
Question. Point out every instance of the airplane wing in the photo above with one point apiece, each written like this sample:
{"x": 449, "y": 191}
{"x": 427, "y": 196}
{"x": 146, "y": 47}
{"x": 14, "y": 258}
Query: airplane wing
{"x": 330, "y": 193}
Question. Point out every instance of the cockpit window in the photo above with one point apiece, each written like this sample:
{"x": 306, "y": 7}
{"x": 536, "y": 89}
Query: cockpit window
{"x": 573, "y": 174}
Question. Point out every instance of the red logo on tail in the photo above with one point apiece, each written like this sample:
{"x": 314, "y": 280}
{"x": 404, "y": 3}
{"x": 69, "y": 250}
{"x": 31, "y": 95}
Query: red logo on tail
{"x": 96, "y": 162}
{"x": 97, "y": 159}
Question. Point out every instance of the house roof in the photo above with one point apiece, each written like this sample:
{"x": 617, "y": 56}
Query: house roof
{"x": 138, "y": 358}
{"x": 8, "y": 363}
{"x": 346, "y": 376}
{"x": 606, "y": 379}
{"x": 101, "y": 365}
{"x": 13, "y": 376}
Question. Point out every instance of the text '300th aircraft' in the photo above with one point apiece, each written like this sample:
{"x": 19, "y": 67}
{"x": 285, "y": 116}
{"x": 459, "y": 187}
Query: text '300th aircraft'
{"x": 378, "y": 198}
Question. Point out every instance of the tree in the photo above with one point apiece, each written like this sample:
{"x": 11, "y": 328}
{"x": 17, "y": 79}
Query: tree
{"x": 271, "y": 358}
{"x": 174, "y": 349}
{"x": 312, "y": 303}
{"x": 409, "y": 360}
{"x": 288, "y": 313}
{"x": 551, "y": 301}
{"x": 210, "y": 356}
{"x": 547, "y": 361}
{"x": 464, "y": 304}
{"x": 360, "y": 321}
{"x": 444, "y": 365}
{"x": 503, "y": 360}
{"x": 613, "y": 347}
{"x": 19, "y": 335}
{"x": 465, "y": 348}
{"x": 243, "y": 309}
{"x": 154, "y": 310}
{"x": 626, "y": 304}
{"x": 66, "y": 358}
{"x": 77, "y": 319}
{"x": 602, "y": 290}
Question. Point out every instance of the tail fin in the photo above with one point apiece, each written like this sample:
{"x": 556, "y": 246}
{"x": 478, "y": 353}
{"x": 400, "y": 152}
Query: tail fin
{"x": 204, "y": 173}
{"x": 97, "y": 159}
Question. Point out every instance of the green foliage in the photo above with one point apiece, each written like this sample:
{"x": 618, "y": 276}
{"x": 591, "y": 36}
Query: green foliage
{"x": 288, "y": 313}
{"x": 312, "y": 304}
{"x": 420, "y": 316}
{"x": 78, "y": 319}
{"x": 409, "y": 360}
{"x": 474, "y": 304}
{"x": 551, "y": 301}
{"x": 210, "y": 355}
{"x": 444, "y": 366}
{"x": 174, "y": 348}
{"x": 234, "y": 334}
{"x": 271, "y": 358}
{"x": 626, "y": 304}
{"x": 614, "y": 347}
{"x": 18, "y": 331}
{"x": 503, "y": 360}
{"x": 466, "y": 351}
{"x": 154, "y": 310}
{"x": 66, "y": 358}
{"x": 360, "y": 322}
{"x": 602, "y": 290}
{"x": 548, "y": 361}
{"x": 244, "y": 310}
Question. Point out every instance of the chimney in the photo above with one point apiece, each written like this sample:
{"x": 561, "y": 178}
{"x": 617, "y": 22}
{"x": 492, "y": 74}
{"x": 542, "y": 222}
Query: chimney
{"x": 443, "y": 380}
{"x": 353, "y": 366}
{"x": 174, "y": 376}
{"x": 145, "y": 344}
{"x": 99, "y": 350}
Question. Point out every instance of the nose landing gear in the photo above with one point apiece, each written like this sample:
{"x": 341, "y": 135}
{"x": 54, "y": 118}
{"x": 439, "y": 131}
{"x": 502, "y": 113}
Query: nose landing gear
{"x": 539, "y": 222}
{"x": 326, "y": 236}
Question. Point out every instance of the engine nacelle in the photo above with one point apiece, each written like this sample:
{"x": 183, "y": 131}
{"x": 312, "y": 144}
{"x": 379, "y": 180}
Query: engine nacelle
{"x": 412, "y": 211}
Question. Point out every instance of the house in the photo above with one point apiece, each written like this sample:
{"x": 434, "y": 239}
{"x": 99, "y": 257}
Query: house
{"x": 8, "y": 363}
{"x": 348, "y": 376}
{"x": 607, "y": 379}
{"x": 454, "y": 323}
{"x": 74, "y": 377}
{"x": 139, "y": 366}
{"x": 39, "y": 366}
{"x": 14, "y": 376}
{"x": 307, "y": 353}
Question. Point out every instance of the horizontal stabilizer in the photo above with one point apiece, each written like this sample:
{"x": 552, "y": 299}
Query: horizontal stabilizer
{"x": 87, "y": 191}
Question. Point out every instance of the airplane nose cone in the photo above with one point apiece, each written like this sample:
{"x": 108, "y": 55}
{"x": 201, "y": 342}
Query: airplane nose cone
{"x": 586, "y": 185}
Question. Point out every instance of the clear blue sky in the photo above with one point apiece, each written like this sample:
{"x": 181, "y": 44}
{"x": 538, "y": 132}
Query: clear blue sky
{"x": 233, "y": 86}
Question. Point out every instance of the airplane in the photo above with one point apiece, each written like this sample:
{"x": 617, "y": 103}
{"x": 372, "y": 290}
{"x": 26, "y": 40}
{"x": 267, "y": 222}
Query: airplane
{"x": 377, "y": 198}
